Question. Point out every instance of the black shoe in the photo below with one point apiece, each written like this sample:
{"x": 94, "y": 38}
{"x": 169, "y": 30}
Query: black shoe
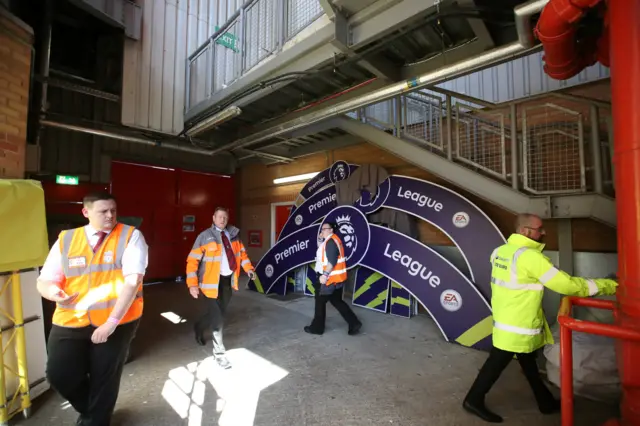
{"x": 551, "y": 408}
{"x": 223, "y": 362}
{"x": 309, "y": 330}
{"x": 199, "y": 337}
{"x": 355, "y": 329}
{"x": 482, "y": 412}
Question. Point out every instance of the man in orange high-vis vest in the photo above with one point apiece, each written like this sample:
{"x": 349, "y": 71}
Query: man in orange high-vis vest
{"x": 331, "y": 272}
{"x": 94, "y": 274}
{"x": 213, "y": 269}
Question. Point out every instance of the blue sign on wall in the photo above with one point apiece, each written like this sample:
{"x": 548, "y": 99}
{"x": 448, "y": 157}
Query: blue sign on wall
{"x": 371, "y": 290}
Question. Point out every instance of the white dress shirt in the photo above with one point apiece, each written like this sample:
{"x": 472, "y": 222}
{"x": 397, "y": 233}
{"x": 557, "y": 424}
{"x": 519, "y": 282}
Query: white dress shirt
{"x": 225, "y": 271}
{"x": 134, "y": 260}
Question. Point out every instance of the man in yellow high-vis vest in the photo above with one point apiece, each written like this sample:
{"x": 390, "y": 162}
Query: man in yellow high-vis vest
{"x": 519, "y": 275}
{"x": 331, "y": 272}
{"x": 94, "y": 274}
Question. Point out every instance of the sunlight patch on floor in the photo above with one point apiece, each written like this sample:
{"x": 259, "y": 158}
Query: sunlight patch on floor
{"x": 238, "y": 388}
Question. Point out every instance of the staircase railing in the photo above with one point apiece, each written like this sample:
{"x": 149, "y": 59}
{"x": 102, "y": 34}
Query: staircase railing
{"x": 259, "y": 29}
{"x": 549, "y": 145}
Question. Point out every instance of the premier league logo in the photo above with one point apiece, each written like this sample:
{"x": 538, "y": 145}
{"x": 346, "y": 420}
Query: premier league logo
{"x": 353, "y": 230}
{"x": 339, "y": 171}
{"x": 348, "y": 234}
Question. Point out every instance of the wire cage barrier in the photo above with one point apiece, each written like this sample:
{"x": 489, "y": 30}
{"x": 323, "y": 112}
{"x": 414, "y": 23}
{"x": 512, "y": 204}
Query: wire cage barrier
{"x": 258, "y": 30}
{"x": 562, "y": 147}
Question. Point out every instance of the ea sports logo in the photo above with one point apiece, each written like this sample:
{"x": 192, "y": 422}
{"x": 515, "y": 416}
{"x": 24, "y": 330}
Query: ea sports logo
{"x": 451, "y": 300}
{"x": 298, "y": 220}
{"x": 268, "y": 271}
{"x": 460, "y": 219}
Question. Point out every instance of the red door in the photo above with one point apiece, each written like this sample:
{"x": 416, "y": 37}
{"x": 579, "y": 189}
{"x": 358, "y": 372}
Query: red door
{"x": 282, "y": 214}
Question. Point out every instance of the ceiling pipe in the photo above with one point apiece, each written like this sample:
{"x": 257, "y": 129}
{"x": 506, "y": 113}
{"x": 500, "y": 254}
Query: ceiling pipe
{"x": 213, "y": 121}
{"x": 96, "y": 132}
{"x": 267, "y": 155}
{"x": 556, "y": 29}
{"x": 526, "y": 41}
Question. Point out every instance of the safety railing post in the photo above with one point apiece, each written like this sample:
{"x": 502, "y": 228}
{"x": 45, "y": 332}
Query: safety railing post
{"x": 21, "y": 347}
{"x": 513, "y": 113}
{"x": 566, "y": 375}
{"x": 596, "y": 152}
{"x": 449, "y": 128}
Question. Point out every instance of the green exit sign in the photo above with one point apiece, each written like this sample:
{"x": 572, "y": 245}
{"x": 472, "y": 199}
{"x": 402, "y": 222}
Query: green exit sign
{"x": 67, "y": 180}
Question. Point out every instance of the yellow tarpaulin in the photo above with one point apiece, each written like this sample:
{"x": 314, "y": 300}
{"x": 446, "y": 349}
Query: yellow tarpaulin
{"x": 23, "y": 225}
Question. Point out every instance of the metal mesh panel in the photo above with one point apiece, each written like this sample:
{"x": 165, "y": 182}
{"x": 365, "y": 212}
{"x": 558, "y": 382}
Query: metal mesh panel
{"x": 227, "y": 57}
{"x": 301, "y": 13}
{"x": 199, "y": 78}
{"x": 261, "y": 31}
{"x": 553, "y": 150}
{"x": 480, "y": 138}
{"x": 381, "y": 115}
{"x": 423, "y": 114}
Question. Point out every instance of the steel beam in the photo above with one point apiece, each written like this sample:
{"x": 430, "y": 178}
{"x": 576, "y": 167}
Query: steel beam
{"x": 389, "y": 20}
{"x": 450, "y": 56}
{"x": 593, "y": 206}
{"x": 375, "y": 85}
{"x": 328, "y": 9}
{"x": 318, "y": 49}
{"x": 309, "y": 53}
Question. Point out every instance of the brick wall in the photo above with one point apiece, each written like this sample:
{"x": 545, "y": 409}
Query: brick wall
{"x": 16, "y": 39}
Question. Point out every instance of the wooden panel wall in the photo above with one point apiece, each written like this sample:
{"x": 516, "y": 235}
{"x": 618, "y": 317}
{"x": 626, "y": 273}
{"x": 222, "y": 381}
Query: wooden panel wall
{"x": 255, "y": 184}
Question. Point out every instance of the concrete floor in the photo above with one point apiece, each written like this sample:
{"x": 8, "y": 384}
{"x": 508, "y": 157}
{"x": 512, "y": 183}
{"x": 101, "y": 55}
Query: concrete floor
{"x": 398, "y": 372}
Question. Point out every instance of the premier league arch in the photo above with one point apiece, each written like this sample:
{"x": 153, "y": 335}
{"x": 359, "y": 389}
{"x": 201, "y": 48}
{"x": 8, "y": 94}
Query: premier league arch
{"x": 394, "y": 270}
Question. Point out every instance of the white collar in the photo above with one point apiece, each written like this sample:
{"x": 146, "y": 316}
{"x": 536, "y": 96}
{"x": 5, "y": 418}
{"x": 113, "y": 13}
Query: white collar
{"x": 92, "y": 231}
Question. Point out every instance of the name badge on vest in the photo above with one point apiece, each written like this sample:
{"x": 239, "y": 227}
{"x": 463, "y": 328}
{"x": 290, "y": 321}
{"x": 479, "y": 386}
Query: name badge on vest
{"x": 108, "y": 257}
{"x": 77, "y": 262}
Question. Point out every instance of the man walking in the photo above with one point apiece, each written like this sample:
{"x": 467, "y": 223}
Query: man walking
{"x": 213, "y": 268}
{"x": 520, "y": 273}
{"x": 331, "y": 271}
{"x": 94, "y": 274}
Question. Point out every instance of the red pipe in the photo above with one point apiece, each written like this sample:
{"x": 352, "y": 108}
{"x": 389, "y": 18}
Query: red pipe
{"x": 567, "y": 326}
{"x": 556, "y": 29}
{"x": 335, "y": 95}
{"x": 624, "y": 32}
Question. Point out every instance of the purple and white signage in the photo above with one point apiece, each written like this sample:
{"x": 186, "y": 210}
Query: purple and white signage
{"x": 338, "y": 171}
{"x": 312, "y": 210}
{"x": 462, "y": 221}
{"x": 450, "y": 297}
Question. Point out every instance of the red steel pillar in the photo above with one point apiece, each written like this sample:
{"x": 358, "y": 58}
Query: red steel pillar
{"x": 624, "y": 30}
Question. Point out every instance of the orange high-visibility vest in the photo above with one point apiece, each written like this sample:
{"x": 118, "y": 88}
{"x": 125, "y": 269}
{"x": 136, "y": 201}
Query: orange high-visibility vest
{"x": 339, "y": 272}
{"x": 203, "y": 262}
{"x": 96, "y": 277}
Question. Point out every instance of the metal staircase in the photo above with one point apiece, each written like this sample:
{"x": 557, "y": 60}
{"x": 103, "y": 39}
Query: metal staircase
{"x": 562, "y": 144}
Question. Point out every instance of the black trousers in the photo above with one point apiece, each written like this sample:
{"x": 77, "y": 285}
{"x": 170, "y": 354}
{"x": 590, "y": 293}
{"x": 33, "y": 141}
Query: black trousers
{"x": 213, "y": 316}
{"x": 335, "y": 298}
{"x": 88, "y": 374}
{"x": 494, "y": 366}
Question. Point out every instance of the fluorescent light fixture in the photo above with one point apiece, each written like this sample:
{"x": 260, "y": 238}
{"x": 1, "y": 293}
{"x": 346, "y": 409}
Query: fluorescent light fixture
{"x": 213, "y": 121}
{"x": 296, "y": 178}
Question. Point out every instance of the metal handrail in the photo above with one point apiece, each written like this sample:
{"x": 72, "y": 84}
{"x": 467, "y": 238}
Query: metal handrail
{"x": 567, "y": 326}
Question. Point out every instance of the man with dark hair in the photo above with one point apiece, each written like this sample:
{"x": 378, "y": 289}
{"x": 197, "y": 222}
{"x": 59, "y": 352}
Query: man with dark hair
{"x": 331, "y": 270}
{"x": 519, "y": 275}
{"x": 213, "y": 268}
{"x": 94, "y": 274}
